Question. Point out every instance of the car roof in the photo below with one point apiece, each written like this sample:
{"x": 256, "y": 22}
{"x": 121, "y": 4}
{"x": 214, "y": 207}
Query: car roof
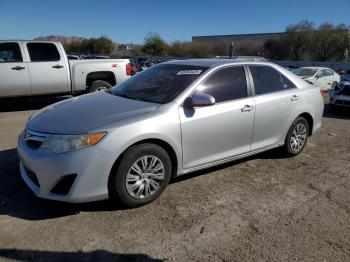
{"x": 32, "y": 41}
{"x": 212, "y": 62}
{"x": 315, "y": 67}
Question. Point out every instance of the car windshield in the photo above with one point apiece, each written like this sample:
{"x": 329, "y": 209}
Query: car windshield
{"x": 345, "y": 78}
{"x": 159, "y": 84}
{"x": 305, "y": 71}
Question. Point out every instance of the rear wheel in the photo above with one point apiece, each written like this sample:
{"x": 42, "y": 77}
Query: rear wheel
{"x": 141, "y": 176}
{"x": 100, "y": 85}
{"x": 296, "y": 137}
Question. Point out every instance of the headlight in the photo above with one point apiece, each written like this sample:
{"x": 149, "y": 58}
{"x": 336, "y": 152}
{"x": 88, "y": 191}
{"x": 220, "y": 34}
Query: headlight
{"x": 65, "y": 143}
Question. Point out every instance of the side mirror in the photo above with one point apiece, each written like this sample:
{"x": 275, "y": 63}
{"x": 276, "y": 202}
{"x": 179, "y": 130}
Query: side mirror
{"x": 199, "y": 100}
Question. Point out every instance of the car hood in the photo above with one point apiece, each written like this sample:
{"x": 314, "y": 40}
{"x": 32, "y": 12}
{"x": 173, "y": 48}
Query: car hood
{"x": 305, "y": 77}
{"x": 81, "y": 114}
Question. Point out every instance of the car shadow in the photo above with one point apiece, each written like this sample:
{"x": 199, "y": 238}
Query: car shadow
{"x": 28, "y": 103}
{"x": 17, "y": 200}
{"x": 276, "y": 153}
{"x": 97, "y": 255}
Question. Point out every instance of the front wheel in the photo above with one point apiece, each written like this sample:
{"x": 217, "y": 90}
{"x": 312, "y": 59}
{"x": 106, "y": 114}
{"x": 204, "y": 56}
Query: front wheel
{"x": 141, "y": 176}
{"x": 296, "y": 137}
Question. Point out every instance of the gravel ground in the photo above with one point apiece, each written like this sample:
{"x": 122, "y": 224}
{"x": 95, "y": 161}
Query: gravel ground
{"x": 264, "y": 208}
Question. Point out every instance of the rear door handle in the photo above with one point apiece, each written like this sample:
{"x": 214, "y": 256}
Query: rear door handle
{"x": 18, "y": 68}
{"x": 246, "y": 108}
{"x": 57, "y": 66}
{"x": 294, "y": 98}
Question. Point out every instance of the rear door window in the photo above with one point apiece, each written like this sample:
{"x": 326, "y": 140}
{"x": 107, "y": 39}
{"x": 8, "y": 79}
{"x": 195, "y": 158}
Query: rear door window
{"x": 43, "y": 52}
{"x": 226, "y": 84}
{"x": 267, "y": 80}
{"x": 10, "y": 53}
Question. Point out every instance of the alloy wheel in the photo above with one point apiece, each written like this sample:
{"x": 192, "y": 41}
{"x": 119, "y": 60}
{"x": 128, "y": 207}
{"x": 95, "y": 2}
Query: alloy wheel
{"x": 298, "y": 137}
{"x": 145, "y": 177}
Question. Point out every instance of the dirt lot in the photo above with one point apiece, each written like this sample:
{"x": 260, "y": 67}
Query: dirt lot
{"x": 265, "y": 208}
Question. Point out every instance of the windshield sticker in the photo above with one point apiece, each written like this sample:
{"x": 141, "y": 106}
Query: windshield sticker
{"x": 189, "y": 72}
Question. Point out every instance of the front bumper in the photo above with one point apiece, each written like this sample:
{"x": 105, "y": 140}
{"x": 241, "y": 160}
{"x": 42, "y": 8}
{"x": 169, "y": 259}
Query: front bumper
{"x": 90, "y": 166}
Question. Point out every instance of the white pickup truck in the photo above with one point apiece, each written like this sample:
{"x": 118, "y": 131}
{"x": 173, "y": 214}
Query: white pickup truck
{"x": 30, "y": 68}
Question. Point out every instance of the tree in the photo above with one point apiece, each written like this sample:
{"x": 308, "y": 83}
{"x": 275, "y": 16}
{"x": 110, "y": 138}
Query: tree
{"x": 329, "y": 42}
{"x": 220, "y": 49}
{"x": 248, "y": 49}
{"x": 199, "y": 50}
{"x": 154, "y": 45}
{"x": 180, "y": 49}
{"x": 102, "y": 45}
{"x": 297, "y": 37}
{"x": 276, "y": 48}
{"x": 136, "y": 50}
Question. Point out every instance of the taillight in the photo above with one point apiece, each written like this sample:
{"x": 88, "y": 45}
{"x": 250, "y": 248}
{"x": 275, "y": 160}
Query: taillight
{"x": 128, "y": 69}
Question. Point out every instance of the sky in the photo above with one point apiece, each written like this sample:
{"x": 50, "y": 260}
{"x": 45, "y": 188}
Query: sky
{"x": 129, "y": 21}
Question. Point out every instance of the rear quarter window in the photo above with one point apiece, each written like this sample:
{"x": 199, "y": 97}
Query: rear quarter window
{"x": 267, "y": 80}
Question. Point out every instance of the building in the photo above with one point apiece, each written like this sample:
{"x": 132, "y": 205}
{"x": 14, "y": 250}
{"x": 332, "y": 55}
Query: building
{"x": 241, "y": 39}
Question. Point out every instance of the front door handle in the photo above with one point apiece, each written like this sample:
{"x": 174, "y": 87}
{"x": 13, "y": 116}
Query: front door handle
{"x": 57, "y": 66}
{"x": 18, "y": 68}
{"x": 294, "y": 98}
{"x": 246, "y": 108}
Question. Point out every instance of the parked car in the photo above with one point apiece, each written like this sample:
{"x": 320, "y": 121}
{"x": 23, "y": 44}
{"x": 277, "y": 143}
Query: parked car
{"x": 341, "y": 72}
{"x": 172, "y": 119}
{"x": 340, "y": 94}
{"x": 40, "y": 68}
{"x": 291, "y": 68}
{"x": 323, "y": 77}
{"x": 96, "y": 57}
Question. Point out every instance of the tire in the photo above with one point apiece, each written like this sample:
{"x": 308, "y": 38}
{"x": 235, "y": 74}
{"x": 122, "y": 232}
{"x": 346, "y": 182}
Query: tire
{"x": 334, "y": 84}
{"x": 100, "y": 85}
{"x": 296, "y": 137}
{"x": 129, "y": 185}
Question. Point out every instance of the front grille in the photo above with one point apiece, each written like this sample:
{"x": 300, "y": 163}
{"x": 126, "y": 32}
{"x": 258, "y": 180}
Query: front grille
{"x": 32, "y": 176}
{"x": 64, "y": 185}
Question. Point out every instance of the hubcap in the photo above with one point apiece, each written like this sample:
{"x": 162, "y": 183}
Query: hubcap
{"x": 298, "y": 137}
{"x": 102, "y": 89}
{"x": 144, "y": 177}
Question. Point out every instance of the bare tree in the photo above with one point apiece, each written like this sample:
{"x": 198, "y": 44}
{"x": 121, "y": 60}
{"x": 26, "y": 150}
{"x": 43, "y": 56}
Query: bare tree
{"x": 329, "y": 42}
{"x": 297, "y": 38}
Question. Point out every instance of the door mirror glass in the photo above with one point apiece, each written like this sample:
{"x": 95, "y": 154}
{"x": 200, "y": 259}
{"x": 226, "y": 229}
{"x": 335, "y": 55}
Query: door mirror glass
{"x": 199, "y": 100}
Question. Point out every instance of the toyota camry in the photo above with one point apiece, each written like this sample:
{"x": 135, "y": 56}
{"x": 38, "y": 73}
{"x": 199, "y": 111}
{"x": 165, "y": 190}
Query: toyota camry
{"x": 170, "y": 120}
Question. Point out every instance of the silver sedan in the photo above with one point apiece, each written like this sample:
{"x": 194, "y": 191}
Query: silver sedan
{"x": 171, "y": 119}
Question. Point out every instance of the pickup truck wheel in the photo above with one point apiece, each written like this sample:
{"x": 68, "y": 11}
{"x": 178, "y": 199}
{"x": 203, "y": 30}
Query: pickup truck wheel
{"x": 141, "y": 176}
{"x": 100, "y": 85}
